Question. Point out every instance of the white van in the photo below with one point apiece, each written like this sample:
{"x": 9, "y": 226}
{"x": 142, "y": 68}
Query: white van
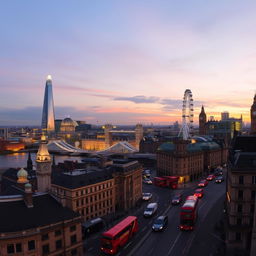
{"x": 150, "y": 210}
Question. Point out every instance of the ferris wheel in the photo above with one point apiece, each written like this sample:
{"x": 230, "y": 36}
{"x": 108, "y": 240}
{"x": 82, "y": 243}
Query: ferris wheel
{"x": 187, "y": 115}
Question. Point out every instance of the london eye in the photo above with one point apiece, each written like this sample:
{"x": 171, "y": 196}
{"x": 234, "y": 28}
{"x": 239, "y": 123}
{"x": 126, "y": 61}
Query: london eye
{"x": 187, "y": 115}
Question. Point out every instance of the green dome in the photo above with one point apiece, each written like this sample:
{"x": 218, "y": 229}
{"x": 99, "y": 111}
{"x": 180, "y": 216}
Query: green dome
{"x": 28, "y": 185}
{"x": 167, "y": 146}
{"x": 194, "y": 147}
{"x": 209, "y": 145}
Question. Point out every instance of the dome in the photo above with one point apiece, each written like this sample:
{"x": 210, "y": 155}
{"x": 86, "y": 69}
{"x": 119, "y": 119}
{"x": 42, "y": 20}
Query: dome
{"x": 167, "y": 146}
{"x": 68, "y": 122}
{"x": 28, "y": 185}
{"x": 22, "y": 176}
{"x": 68, "y": 125}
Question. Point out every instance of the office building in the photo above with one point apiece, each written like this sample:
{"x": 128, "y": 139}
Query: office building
{"x": 48, "y": 117}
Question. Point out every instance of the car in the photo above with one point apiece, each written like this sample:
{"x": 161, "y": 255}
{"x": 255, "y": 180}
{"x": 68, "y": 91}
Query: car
{"x": 199, "y": 193}
{"x": 176, "y": 199}
{"x": 146, "y": 196}
{"x": 146, "y": 173}
{"x": 147, "y": 181}
{"x": 150, "y": 210}
{"x": 210, "y": 177}
{"x": 219, "y": 179}
{"x": 218, "y": 172}
{"x": 202, "y": 183}
{"x": 160, "y": 223}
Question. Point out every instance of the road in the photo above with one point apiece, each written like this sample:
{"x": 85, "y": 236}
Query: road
{"x": 203, "y": 240}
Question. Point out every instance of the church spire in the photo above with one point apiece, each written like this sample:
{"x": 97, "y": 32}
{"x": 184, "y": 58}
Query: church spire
{"x": 29, "y": 162}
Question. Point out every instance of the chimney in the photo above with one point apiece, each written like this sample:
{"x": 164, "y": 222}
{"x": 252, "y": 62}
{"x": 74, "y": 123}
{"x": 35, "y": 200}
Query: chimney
{"x": 28, "y": 199}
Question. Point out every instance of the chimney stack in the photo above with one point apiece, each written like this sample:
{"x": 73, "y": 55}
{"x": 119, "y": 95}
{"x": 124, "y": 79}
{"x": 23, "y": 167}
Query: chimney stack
{"x": 28, "y": 196}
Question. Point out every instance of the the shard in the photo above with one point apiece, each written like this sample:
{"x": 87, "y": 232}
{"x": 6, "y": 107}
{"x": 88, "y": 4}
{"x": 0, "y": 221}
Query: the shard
{"x": 48, "y": 109}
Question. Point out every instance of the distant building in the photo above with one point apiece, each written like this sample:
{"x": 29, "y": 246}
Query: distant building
{"x": 109, "y": 137}
{"x": 48, "y": 117}
{"x": 224, "y": 130}
{"x": 4, "y": 133}
{"x": 68, "y": 125}
{"x": 224, "y": 116}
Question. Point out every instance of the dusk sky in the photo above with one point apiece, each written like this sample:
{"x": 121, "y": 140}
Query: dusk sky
{"x": 124, "y": 62}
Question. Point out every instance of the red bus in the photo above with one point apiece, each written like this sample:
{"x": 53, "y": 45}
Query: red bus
{"x": 116, "y": 237}
{"x": 160, "y": 182}
{"x": 166, "y": 181}
{"x": 188, "y": 213}
{"x": 172, "y": 181}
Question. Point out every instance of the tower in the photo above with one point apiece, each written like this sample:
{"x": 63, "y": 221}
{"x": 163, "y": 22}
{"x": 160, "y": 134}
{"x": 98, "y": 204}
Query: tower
{"x": 48, "y": 108}
{"x": 108, "y": 135}
{"x": 138, "y": 135}
{"x": 29, "y": 162}
{"x": 43, "y": 167}
{"x": 202, "y": 122}
{"x": 253, "y": 116}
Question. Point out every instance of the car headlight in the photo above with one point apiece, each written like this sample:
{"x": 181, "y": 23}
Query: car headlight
{"x": 161, "y": 227}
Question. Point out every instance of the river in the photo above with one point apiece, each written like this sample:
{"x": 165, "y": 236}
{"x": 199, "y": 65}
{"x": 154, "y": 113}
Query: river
{"x": 17, "y": 160}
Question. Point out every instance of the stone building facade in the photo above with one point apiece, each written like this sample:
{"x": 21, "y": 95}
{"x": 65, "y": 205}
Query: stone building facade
{"x": 22, "y": 232}
{"x": 241, "y": 191}
{"x": 96, "y": 192}
{"x": 189, "y": 159}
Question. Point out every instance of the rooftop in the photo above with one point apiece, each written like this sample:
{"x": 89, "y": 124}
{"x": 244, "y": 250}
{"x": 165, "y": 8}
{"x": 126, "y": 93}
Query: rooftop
{"x": 16, "y": 216}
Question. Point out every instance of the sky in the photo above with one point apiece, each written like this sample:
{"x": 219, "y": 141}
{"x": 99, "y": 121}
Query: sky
{"x": 126, "y": 62}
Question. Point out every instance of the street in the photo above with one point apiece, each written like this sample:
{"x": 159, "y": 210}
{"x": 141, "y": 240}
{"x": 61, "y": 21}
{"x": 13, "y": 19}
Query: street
{"x": 203, "y": 240}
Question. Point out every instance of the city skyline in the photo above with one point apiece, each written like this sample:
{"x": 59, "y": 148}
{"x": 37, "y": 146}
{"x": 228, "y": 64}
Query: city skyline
{"x": 125, "y": 63}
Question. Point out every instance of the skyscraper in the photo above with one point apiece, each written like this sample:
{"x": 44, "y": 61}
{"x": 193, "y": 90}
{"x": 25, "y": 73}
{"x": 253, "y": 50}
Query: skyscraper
{"x": 48, "y": 108}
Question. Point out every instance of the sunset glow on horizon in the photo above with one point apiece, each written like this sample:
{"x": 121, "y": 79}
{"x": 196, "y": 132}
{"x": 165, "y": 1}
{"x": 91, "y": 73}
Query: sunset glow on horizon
{"x": 126, "y": 62}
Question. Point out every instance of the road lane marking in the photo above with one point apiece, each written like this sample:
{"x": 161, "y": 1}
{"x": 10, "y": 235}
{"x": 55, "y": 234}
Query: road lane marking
{"x": 176, "y": 240}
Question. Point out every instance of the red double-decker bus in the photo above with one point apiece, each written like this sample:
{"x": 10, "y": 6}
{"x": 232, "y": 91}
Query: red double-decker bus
{"x": 116, "y": 237}
{"x": 166, "y": 181}
{"x": 188, "y": 213}
{"x": 160, "y": 182}
{"x": 172, "y": 181}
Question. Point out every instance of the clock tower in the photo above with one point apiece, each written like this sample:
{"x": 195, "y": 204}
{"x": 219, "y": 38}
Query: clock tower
{"x": 202, "y": 122}
{"x": 43, "y": 167}
{"x": 253, "y": 116}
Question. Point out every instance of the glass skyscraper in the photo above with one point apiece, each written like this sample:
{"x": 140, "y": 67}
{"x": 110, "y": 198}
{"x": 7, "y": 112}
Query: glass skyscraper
{"x": 48, "y": 108}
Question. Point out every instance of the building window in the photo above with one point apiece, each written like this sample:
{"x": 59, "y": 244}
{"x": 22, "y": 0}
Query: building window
{"x": 253, "y": 179}
{"x": 31, "y": 245}
{"x": 252, "y": 208}
{"x": 74, "y": 252}
{"x": 10, "y": 248}
{"x": 44, "y": 237}
{"x": 58, "y": 244}
{"x": 241, "y": 179}
{"x": 238, "y": 236}
{"x": 45, "y": 249}
{"x": 253, "y": 194}
{"x": 57, "y": 232}
{"x": 239, "y": 221}
{"x": 72, "y": 228}
{"x": 239, "y": 208}
{"x": 18, "y": 247}
{"x": 73, "y": 239}
{"x": 240, "y": 194}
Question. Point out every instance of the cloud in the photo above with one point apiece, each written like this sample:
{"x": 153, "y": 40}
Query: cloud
{"x": 139, "y": 99}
